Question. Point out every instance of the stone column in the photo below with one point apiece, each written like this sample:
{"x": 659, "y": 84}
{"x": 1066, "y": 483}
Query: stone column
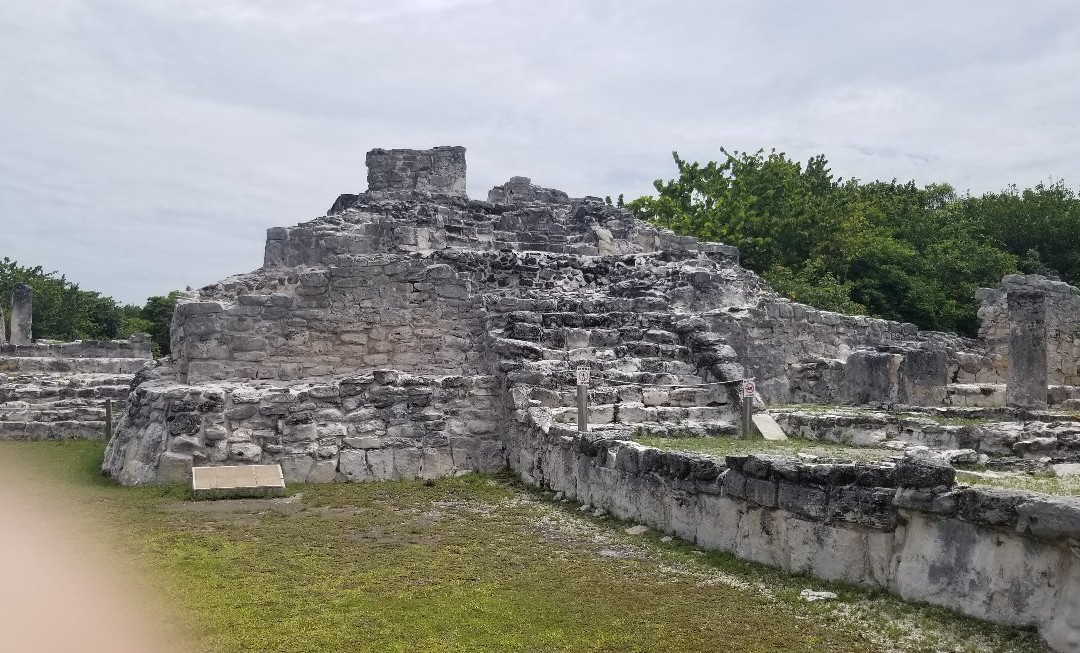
{"x": 3, "y": 327}
{"x": 1027, "y": 350}
{"x": 22, "y": 314}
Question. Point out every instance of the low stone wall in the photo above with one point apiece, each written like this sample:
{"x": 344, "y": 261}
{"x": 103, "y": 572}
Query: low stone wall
{"x": 1004, "y": 556}
{"x": 800, "y": 354}
{"x": 381, "y": 426}
{"x": 137, "y": 346}
{"x": 991, "y": 432}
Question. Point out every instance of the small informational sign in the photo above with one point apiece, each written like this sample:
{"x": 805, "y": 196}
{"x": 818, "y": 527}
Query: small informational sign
{"x": 582, "y": 375}
{"x": 749, "y": 388}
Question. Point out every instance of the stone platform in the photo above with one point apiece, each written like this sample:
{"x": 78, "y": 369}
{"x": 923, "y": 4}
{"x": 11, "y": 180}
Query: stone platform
{"x": 51, "y": 391}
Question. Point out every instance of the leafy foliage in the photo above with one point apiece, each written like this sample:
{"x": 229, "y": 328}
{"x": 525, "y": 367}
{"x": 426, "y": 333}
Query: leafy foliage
{"x": 889, "y": 249}
{"x": 63, "y": 311}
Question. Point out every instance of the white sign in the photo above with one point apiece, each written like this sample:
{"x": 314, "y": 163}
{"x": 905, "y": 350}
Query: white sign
{"x": 748, "y": 388}
{"x": 582, "y": 375}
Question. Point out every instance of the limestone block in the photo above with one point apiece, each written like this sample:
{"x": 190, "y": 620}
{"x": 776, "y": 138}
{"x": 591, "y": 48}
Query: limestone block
{"x": 22, "y": 314}
{"x": 380, "y": 463}
{"x": 1027, "y": 384}
{"x": 173, "y": 468}
{"x": 871, "y": 378}
{"x": 353, "y": 464}
{"x": 296, "y": 468}
{"x": 943, "y": 558}
{"x": 323, "y": 471}
{"x": 245, "y": 452}
{"x": 923, "y": 377}
{"x": 1062, "y": 632}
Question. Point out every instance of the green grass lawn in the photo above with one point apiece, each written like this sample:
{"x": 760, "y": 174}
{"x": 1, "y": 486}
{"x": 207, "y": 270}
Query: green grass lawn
{"x": 721, "y": 447}
{"x": 466, "y": 564}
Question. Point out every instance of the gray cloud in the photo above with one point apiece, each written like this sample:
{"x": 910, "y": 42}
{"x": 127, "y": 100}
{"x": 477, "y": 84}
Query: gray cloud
{"x": 147, "y": 144}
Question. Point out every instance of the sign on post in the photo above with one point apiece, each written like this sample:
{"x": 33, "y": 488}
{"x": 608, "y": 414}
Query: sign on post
{"x": 749, "y": 388}
{"x": 582, "y": 399}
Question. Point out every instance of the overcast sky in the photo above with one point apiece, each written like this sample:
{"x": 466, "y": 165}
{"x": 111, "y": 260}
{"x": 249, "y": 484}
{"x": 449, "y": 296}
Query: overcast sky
{"x": 146, "y": 145}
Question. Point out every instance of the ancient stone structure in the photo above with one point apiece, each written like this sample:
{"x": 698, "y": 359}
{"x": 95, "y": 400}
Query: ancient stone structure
{"x": 1000, "y": 555}
{"x": 22, "y": 314}
{"x": 3, "y": 328}
{"x": 1027, "y": 350}
{"x": 1061, "y": 320}
{"x": 413, "y": 333}
{"x": 439, "y": 171}
{"x": 51, "y": 391}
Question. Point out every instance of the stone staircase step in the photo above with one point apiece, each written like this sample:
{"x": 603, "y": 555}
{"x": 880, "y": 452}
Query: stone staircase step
{"x": 65, "y": 430}
{"x": 52, "y": 394}
{"x": 633, "y": 413}
{"x": 22, "y": 412}
{"x": 72, "y": 365}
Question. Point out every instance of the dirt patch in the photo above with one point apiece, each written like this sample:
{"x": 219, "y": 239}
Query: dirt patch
{"x": 285, "y": 506}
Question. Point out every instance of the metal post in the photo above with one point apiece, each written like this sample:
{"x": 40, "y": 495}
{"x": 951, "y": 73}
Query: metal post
{"x": 747, "y": 406}
{"x": 582, "y": 408}
{"x": 582, "y": 375}
{"x": 108, "y": 419}
{"x": 749, "y": 389}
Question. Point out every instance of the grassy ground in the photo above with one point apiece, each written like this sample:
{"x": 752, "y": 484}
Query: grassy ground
{"x": 721, "y": 447}
{"x": 1068, "y": 485}
{"x": 466, "y": 564}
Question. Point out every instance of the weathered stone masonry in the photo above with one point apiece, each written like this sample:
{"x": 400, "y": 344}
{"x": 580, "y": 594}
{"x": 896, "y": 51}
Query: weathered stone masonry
{"x": 1001, "y": 555}
{"x": 1061, "y": 320}
{"x": 412, "y": 332}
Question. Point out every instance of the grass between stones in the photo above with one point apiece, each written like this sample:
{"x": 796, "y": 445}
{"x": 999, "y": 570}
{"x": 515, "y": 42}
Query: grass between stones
{"x": 1065, "y": 485}
{"x": 721, "y": 447}
{"x": 466, "y": 564}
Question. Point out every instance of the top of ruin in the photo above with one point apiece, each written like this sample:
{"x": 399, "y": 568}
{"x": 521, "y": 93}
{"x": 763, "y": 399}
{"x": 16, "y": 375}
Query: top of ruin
{"x": 438, "y": 171}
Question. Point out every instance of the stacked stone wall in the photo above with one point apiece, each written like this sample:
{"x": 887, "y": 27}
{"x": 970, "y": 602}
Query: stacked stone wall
{"x": 440, "y": 170}
{"x": 799, "y": 353}
{"x": 356, "y": 314}
{"x": 386, "y": 425}
{"x": 138, "y": 346}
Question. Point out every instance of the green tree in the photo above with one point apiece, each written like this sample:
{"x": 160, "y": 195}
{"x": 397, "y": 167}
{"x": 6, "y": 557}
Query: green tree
{"x": 63, "y": 311}
{"x": 157, "y": 315}
{"x": 890, "y": 249}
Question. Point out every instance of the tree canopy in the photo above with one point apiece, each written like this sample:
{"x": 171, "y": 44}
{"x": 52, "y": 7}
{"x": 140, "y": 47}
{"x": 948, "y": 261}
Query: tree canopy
{"x": 889, "y": 249}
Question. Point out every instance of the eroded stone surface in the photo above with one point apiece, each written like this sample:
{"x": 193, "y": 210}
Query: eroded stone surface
{"x": 22, "y": 314}
{"x": 414, "y": 333}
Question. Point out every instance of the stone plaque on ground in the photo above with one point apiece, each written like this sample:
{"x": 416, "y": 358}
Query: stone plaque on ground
{"x": 768, "y": 427}
{"x": 237, "y": 480}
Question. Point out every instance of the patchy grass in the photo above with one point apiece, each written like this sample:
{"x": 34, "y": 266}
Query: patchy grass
{"x": 733, "y": 446}
{"x": 1066, "y": 486}
{"x": 855, "y": 411}
{"x": 946, "y": 420}
{"x": 467, "y": 564}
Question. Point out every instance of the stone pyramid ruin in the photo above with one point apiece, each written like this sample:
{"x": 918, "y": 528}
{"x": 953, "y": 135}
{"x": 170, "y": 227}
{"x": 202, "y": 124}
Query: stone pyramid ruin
{"x": 413, "y": 332}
